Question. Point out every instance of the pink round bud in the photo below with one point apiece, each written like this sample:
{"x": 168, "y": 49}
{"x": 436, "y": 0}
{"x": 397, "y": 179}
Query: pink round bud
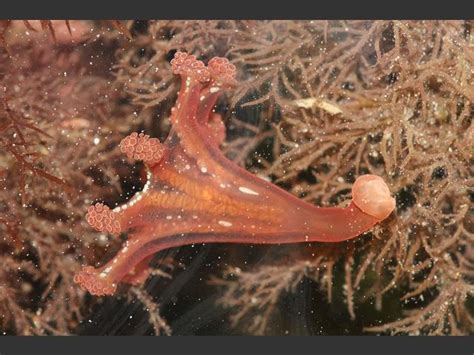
{"x": 371, "y": 194}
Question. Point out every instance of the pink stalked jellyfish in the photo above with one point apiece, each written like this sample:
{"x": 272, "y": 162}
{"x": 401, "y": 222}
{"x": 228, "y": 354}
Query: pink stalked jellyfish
{"x": 195, "y": 195}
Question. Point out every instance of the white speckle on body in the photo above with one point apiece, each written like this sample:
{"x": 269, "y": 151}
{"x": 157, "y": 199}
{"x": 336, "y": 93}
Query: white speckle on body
{"x": 225, "y": 223}
{"x": 246, "y": 190}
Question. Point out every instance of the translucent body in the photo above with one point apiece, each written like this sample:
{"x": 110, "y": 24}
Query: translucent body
{"x": 196, "y": 195}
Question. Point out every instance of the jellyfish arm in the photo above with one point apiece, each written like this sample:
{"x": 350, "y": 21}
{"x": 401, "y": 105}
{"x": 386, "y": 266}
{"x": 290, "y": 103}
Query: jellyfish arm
{"x": 194, "y": 194}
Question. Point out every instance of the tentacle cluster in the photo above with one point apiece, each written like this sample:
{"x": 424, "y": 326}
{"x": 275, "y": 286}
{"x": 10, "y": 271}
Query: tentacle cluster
{"x": 90, "y": 280}
{"x": 103, "y": 219}
{"x": 219, "y": 70}
{"x": 222, "y": 72}
{"x": 187, "y": 65}
{"x": 140, "y": 146}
